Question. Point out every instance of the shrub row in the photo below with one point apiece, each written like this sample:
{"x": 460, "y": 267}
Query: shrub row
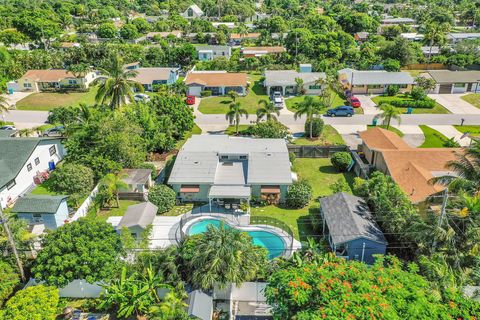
{"x": 424, "y": 104}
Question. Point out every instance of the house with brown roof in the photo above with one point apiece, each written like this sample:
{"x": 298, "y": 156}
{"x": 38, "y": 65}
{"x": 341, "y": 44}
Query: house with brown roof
{"x": 261, "y": 51}
{"x": 149, "y": 77}
{"x": 411, "y": 168}
{"x": 237, "y": 38}
{"x": 218, "y": 82}
{"x": 51, "y": 80}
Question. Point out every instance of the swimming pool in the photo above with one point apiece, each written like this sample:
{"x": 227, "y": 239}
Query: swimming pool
{"x": 274, "y": 243}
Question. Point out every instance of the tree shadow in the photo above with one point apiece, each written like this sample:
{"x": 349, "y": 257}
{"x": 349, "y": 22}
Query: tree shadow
{"x": 258, "y": 88}
{"x": 305, "y": 226}
{"x": 226, "y": 101}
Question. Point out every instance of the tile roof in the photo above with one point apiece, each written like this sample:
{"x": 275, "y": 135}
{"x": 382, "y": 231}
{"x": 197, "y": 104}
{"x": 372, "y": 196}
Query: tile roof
{"x": 141, "y": 215}
{"x": 348, "y": 218}
{"x": 148, "y": 75}
{"x": 238, "y": 36}
{"x": 216, "y": 78}
{"x": 378, "y": 138}
{"x": 258, "y": 50}
{"x": 38, "y": 204}
{"x": 53, "y": 75}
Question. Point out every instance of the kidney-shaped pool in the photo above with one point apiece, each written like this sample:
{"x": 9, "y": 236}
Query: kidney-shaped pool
{"x": 273, "y": 242}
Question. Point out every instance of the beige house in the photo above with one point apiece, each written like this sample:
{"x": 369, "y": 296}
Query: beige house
{"x": 50, "y": 80}
{"x": 373, "y": 81}
{"x": 218, "y": 82}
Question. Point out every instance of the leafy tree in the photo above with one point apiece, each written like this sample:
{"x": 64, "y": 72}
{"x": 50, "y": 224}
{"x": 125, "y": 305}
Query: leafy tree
{"x": 340, "y": 186}
{"x": 72, "y": 179}
{"x": 310, "y": 108}
{"x": 426, "y": 84}
{"x": 109, "y": 188}
{"x": 435, "y": 33}
{"x": 220, "y": 256}
{"x": 9, "y": 280}
{"x": 391, "y": 65}
{"x": 163, "y": 197}
{"x": 299, "y": 86}
{"x": 141, "y": 25}
{"x": 129, "y": 31}
{"x": 118, "y": 86}
{"x": 107, "y": 30}
{"x": 299, "y": 194}
{"x": 233, "y": 95}
{"x": 12, "y": 36}
{"x": 341, "y": 160}
{"x": 4, "y": 108}
{"x": 316, "y": 126}
{"x": 84, "y": 249}
{"x": 32, "y": 303}
{"x": 234, "y": 114}
{"x": 389, "y": 112}
{"x": 392, "y": 90}
{"x": 269, "y": 129}
{"x": 79, "y": 70}
{"x": 268, "y": 110}
{"x": 418, "y": 93}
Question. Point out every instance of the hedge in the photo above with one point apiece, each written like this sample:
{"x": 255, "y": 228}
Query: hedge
{"x": 206, "y": 93}
{"x": 163, "y": 197}
{"x": 423, "y": 104}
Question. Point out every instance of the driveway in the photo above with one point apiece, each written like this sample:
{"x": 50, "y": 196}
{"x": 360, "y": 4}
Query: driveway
{"x": 368, "y": 106}
{"x": 12, "y": 99}
{"x": 412, "y": 135}
{"x": 450, "y": 131}
{"x": 455, "y": 104}
{"x": 349, "y": 133}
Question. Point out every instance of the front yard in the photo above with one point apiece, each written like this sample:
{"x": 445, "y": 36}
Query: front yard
{"x": 472, "y": 98}
{"x": 433, "y": 138}
{"x": 329, "y": 136}
{"x": 220, "y": 105}
{"x": 44, "y": 101}
{"x": 438, "y": 109}
{"x": 474, "y": 131}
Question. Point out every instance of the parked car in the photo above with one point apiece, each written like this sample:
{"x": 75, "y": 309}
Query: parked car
{"x": 277, "y": 99}
{"x": 190, "y": 100}
{"x": 354, "y": 102}
{"x": 8, "y": 128}
{"x": 342, "y": 111}
{"x": 141, "y": 97}
{"x": 54, "y": 132}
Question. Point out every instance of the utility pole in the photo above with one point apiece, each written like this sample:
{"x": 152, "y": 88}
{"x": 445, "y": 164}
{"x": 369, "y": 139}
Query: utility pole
{"x": 442, "y": 214}
{"x": 4, "y": 222}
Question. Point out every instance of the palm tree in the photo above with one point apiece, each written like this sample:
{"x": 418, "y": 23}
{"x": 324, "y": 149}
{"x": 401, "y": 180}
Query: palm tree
{"x": 118, "y": 86}
{"x": 110, "y": 186}
{"x": 389, "y": 112}
{"x": 3, "y": 105}
{"x": 299, "y": 85}
{"x": 268, "y": 110}
{"x": 233, "y": 95}
{"x": 235, "y": 113}
{"x": 310, "y": 108}
{"x": 435, "y": 33}
{"x": 27, "y": 132}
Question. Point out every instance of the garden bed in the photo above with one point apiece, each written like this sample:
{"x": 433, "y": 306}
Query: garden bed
{"x": 437, "y": 109}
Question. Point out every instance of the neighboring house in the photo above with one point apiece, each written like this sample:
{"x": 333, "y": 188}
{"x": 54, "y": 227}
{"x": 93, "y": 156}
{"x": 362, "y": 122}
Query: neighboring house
{"x": 138, "y": 180}
{"x": 376, "y": 82}
{"x": 237, "y": 38}
{"x": 361, "y": 36}
{"x": 454, "y": 81}
{"x": 261, "y": 51}
{"x": 192, "y": 12}
{"x": 69, "y": 45}
{"x": 350, "y": 229}
{"x": 137, "y": 218}
{"x": 200, "y": 305}
{"x": 284, "y": 81}
{"x": 152, "y": 35}
{"x": 132, "y": 66}
{"x": 149, "y": 77}
{"x": 412, "y": 36}
{"x": 258, "y": 16}
{"x": 398, "y": 21}
{"x": 457, "y": 37}
{"x": 218, "y": 82}
{"x": 206, "y": 53}
{"x": 434, "y": 51}
{"x": 193, "y": 37}
{"x": 230, "y": 169}
{"x": 229, "y": 25}
{"x": 21, "y": 161}
{"x": 411, "y": 168}
{"x": 49, "y": 211}
{"x": 50, "y": 80}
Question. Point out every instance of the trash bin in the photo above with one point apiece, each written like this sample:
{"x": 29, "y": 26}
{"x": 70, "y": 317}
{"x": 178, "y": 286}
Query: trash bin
{"x": 409, "y": 110}
{"x": 10, "y": 90}
{"x": 51, "y": 166}
{"x": 374, "y": 121}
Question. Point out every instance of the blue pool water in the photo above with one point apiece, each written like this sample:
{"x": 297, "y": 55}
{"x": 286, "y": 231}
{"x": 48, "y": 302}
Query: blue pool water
{"x": 269, "y": 240}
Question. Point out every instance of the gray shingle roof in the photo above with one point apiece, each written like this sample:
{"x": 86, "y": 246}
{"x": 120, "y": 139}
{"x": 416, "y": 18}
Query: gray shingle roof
{"x": 141, "y": 214}
{"x": 447, "y": 76}
{"x": 372, "y": 77}
{"x": 348, "y": 218}
{"x": 287, "y": 77}
{"x": 38, "y": 204}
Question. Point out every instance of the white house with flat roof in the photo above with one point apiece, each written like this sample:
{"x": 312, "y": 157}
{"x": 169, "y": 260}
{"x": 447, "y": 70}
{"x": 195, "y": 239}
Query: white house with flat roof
{"x": 210, "y": 52}
{"x": 224, "y": 169}
{"x": 374, "y": 81}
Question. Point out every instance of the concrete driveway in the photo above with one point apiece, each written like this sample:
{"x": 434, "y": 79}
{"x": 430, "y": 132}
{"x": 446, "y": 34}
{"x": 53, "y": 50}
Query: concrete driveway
{"x": 368, "y": 106}
{"x": 455, "y": 104}
{"x": 12, "y": 99}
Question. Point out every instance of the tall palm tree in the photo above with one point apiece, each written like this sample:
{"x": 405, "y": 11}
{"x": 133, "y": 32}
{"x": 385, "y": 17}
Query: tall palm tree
{"x": 118, "y": 86}
{"x": 389, "y": 112}
{"x": 310, "y": 108}
{"x": 268, "y": 110}
{"x": 3, "y": 105}
{"x": 235, "y": 113}
{"x": 435, "y": 33}
{"x": 233, "y": 95}
{"x": 110, "y": 186}
{"x": 299, "y": 85}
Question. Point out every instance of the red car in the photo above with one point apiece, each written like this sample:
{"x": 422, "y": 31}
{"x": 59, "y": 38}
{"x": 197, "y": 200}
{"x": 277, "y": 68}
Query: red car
{"x": 190, "y": 100}
{"x": 354, "y": 102}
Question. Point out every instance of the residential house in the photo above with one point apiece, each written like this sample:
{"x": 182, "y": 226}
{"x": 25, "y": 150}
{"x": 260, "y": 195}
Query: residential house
{"x": 448, "y": 81}
{"x": 69, "y": 45}
{"x": 284, "y": 81}
{"x": 132, "y": 66}
{"x": 208, "y": 37}
{"x": 229, "y": 25}
{"x": 149, "y": 77}
{"x": 258, "y": 16}
{"x": 22, "y": 160}
{"x": 49, "y": 211}
{"x": 361, "y": 36}
{"x": 237, "y": 38}
{"x": 373, "y": 81}
{"x": 208, "y": 52}
{"x": 411, "y": 168}
{"x": 218, "y": 82}
{"x": 50, "y": 80}
{"x": 350, "y": 229}
{"x": 224, "y": 169}
{"x": 152, "y": 35}
{"x": 398, "y": 21}
{"x": 192, "y": 12}
{"x": 457, "y": 37}
{"x": 138, "y": 218}
{"x": 427, "y": 50}
{"x": 262, "y": 51}
{"x": 412, "y": 36}
{"x": 138, "y": 180}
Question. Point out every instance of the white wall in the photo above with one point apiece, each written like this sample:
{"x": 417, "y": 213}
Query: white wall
{"x": 83, "y": 209}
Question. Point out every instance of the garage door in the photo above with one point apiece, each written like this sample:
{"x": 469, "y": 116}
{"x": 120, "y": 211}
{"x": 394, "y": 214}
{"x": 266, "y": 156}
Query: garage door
{"x": 445, "y": 88}
{"x": 194, "y": 91}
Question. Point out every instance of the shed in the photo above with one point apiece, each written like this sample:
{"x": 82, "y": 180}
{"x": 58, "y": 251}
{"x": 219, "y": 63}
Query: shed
{"x": 200, "y": 305}
{"x": 51, "y": 211}
{"x": 138, "y": 180}
{"x": 350, "y": 228}
{"x": 138, "y": 217}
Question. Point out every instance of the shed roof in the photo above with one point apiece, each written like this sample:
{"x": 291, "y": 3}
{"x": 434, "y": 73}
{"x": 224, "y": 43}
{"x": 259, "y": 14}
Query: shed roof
{"x": 141, "y": 215}
{"x": 259, "y": 50}
{"x": 448, "y": 76}
{"x": 216, "y": 79}
{"x": 229, "y": 192}
{"x": 136, "y": 176}
{"x": 287, "y": 77}
{"x": 348, "y": 218}
{"x": 200, "y": 305}
{"x": 38, "y": 204}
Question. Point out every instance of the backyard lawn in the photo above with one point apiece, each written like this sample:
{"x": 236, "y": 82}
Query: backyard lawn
{"x": 474, "y": 131}
{"x": 329, "y": 136}
{"x": 433, "y": 138}
{"x": 241, "y": 130}
{"x": 320, "y": 174}
{"x": 291, "y": 103}
{"x": 44, "y": 101}
{"x": 473, "y": 99}
{"x": 400, "y": 133}
{"x": 220, "y": 105}
{"x": 438, "y": 109}
{"x": 112, "y": 212}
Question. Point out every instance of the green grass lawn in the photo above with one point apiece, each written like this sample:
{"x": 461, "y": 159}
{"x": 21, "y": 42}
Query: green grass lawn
{"x": 433, "y": 138}
{"x": 474, "y": 131}
{"x": 220, "y": 105}
{"x": 179, "y": 209}
{"x": 44, "y": 101}
{"x": 112, "y": 212}
{"x": 438, "y": 109}
{"x": 42, "y": 190}
{"x": 400, "y": 133}
{"x": 241, "y": 130}
{"x": 291, "y": 103}
{"x": 473, "y": 99}
{"x": 329, "y": 136}
{"x": 320, "y": 174}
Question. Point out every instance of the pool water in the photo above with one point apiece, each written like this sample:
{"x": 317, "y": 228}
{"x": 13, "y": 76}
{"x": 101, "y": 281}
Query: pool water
{"x": 274, "y": 243}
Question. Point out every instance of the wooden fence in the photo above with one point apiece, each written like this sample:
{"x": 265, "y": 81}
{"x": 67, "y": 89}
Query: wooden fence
{"x": 315, "y": 151}
{"x": 425, "y": 66}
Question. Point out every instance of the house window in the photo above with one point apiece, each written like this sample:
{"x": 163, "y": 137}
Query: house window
{"x": 37, "y": 217}
{"x": 224, "y": 157}
{"x": 37, "y": 161}
{"x": 27, "y": 85}
{"x": 72, "y": 81}
{"x": 459, "y": 85}
{"x": 29, "y": 167}
{"x": 11, "y": 184}
{"x": 243, "y": 157}
{"x": 374, "y": 86}
{"x": 52, "y": 150}
{"x": 223, "y": 53}
{"x": 314, "y": 87}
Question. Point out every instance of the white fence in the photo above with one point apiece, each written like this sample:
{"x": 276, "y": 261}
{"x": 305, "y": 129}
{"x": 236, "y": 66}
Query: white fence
{"x": 83, "y": 209}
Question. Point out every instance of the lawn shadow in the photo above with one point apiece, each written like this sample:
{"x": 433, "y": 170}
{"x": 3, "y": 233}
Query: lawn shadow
{"x": 226, "y": 101}
{"x": 258, "y": 88}
{"x": 327, "y": 169}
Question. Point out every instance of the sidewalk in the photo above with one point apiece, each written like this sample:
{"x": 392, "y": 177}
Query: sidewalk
{"x": 450, "y": 131}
